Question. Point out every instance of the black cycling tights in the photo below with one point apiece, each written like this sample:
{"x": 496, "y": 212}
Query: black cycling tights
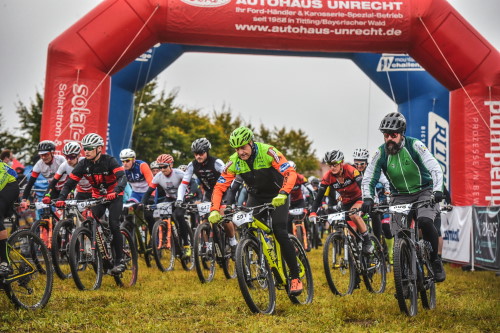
{"x": 115, "y": 208}
{"x": 280, "y": 220}
{"x": 8, "y": 195}
{"x": 376, "y": 225}
{"x": 430, "y": 234}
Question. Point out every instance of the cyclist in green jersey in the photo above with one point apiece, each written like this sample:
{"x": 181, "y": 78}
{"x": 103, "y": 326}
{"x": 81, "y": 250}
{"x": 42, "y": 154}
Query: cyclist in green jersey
{"x": 9, "y": 192}
{"x": 414, "y": 174}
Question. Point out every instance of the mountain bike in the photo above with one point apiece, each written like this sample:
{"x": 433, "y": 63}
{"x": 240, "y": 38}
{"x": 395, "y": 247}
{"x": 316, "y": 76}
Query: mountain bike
{"x": 211, "y": 247}
{"x": 166, "y": 241}
{"x": 91, "y": 255}
{"x": 344, "y": 261}
{"x": 73, "y": 216}
{"x": 138, "y": 227}
{"x": 413, "y": 272}
{"x": 260, "y": 266}
{"x": 44, "y": 227}
{"x": 29, "y": 286}
{"x": 299, "y": 228}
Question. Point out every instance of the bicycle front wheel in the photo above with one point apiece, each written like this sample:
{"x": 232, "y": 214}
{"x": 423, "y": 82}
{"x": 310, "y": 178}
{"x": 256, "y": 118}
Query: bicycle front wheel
{"x": 305, "y": 274}
{"x": 30, "y": 285}
{"x": 339, "y": 266}
{"x": 61, "y": 238}
{"x": 204, "y": 256}
{"x": 404, "y": 277}
{"x": 375, "y": 271}
{"x": 162, "y": 242}
{"x": 255, "y": 278}
{"x": 85, "y": 262}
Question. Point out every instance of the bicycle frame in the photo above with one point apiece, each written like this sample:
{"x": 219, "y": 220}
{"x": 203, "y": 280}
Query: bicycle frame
{"x": 298, "y": 221}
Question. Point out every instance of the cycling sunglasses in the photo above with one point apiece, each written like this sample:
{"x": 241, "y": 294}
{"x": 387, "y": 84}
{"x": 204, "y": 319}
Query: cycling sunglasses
{"x": 334, "y": 163}
{"x": 392, "y": 135}
{"x": 164, "y": 166}
{"x": 126, "y": 161}
{"x": 71, "y": 157}
{"x": 88, "y": 148}
{"x": 360, "y": 163}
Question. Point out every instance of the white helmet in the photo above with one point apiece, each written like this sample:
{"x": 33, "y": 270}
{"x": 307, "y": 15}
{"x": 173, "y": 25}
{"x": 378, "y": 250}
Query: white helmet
{"x": 182, "y": 167}
{"x": 154, "y": 165}
{"x": 292, "y": 164}
{"x": 92, "y": 140}
{"x": 126, "y": 154}
{"x": 361, "y": 154}
{"x": 71, "y": 148}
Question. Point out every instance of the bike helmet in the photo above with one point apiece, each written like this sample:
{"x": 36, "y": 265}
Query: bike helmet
{"x": 154, "y": 165}
{"x": 46, "y": 146}
{"x": 313, "y": 181}
{"x": 361, "y": 154}
{"x": 333, "y": 157}
{"x": 183, "y": 167}
{"x": 292, "y": 164}
{"x": 201, "y": 145}
{"x": 240, "y": 137}
{"x": 71, "y": 148}
{"x": 393, "y": 122}
{"x": 92, "y": 140}
{"x": 126, "y": 154}
{"x": 164, "y": 159}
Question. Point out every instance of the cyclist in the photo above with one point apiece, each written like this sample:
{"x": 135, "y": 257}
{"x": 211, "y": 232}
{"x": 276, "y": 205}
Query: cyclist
{"x": 71, "y": 151}
{"x": 9, "y": 192}
{"x": 414, "y": 175}
{"x": 269, "y": 178}
{"x": 346, "y": 180}
{"x": 138, "y": 173}
{"x": 298, "y": 195}
{"x": 108, "y": 181}
{"x": 47, "y": 166}
{"x": 170, "y": 179}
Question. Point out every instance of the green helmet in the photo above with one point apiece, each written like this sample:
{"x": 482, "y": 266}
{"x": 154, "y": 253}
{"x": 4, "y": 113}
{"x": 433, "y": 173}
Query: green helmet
{"x": 240, "y": 137}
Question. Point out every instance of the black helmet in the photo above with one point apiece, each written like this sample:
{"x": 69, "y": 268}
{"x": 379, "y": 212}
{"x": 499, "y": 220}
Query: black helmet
{"x": 200, "y": 145}
{"x": 393, "y": 122}
{"x": 46, "y": 146}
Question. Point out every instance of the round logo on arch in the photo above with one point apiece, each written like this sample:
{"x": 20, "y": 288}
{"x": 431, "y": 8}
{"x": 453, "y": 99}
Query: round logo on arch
{"x": 206, "y": 3}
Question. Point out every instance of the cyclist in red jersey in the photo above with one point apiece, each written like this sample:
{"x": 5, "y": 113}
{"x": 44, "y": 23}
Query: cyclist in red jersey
{"x": 346, "y": 180}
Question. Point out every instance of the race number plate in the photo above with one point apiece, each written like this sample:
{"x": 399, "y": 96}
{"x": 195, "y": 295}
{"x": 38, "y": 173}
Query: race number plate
{"x": 296, "y": 211}
{"x": 241, "y": 218}
{"x": 204, "y": 207}
{"x": 401, "y": 209}
{"x": 336, "y": 217}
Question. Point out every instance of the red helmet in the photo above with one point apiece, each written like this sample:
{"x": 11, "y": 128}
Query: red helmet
{"x": 164, "y": 159}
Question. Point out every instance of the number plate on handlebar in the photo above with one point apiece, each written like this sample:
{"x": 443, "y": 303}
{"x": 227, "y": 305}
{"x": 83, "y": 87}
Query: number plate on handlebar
{"x": 41, "y": 205}
{"x": 401, "y": 209}
{"x": 296, "y": 211}
{"x": 163, "y": 208}
{"x": 71, "y": 202}
{"x": 336, "y": 217}
{"x": 204, "y": 207}
{"x": 241, "y": 218}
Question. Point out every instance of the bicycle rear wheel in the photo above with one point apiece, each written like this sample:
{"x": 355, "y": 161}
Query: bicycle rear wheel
{"x": 428, "y": 290}
{"x": 162, "y": 242}
{"x": 204, "y": 257}
{"x": 406, "y": 286}
{"x": 30, "y": 285}
{"x": 339, "y": 266}
{"x": 85, "y": 262}
{"x": 129, "y": 277}
{"x": 41, "y": 229}
{"x": 305, "y": 274}
{"x": 375, "y": 268}
{"x": 255, "y": 278}
{"x": 61, "y": 238}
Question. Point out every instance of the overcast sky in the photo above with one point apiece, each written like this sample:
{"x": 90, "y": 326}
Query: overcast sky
{"x": 306, "y": 93}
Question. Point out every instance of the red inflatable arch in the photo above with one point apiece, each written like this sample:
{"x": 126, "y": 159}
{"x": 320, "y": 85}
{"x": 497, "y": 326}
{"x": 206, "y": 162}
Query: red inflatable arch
{"x": 81, "y": 60}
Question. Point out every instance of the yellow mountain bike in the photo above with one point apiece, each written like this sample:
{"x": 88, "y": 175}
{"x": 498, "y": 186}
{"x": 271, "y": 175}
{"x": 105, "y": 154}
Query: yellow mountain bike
{"x": 260, "y": 266}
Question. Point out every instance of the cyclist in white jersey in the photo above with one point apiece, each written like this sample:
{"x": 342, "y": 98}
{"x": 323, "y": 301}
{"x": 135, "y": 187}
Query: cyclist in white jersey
{"x": 47, "y": 166}
{"x": 71, "y": 152}
{"x": 170, "y": 179}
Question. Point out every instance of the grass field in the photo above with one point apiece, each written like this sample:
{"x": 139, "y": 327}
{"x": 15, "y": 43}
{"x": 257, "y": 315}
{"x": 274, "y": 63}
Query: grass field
{"x": 177, "y": 301}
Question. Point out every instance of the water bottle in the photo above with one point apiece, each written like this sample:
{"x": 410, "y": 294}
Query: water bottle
{"x": 269, "y": 242}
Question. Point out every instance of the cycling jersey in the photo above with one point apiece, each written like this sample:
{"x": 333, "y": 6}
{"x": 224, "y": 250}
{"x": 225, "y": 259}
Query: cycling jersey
{"x": 349, "y": 189}
{"x": 65, "y": 169}
{"x": 298, "y": 190}
{"x": 48, "y": 171}
{"x": 266, "y": 173}
{"x": 139, "y": 176}
{"x": 169, "y": 183}
{"x": 207, "y": 172}
{"x": 105, "y": 176}
{"x": 411, "y": 170}
{"x": 6, "y": 175}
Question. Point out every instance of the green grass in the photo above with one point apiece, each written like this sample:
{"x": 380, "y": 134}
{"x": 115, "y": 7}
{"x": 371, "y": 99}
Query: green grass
{"x": 177, "y": 301}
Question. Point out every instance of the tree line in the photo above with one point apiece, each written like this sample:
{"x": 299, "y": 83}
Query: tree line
{"x": 162, "y": 126}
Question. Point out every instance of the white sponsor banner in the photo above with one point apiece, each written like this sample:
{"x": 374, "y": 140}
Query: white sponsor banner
{"x": 456, "y": 228}
{"x": 397, "y": 62}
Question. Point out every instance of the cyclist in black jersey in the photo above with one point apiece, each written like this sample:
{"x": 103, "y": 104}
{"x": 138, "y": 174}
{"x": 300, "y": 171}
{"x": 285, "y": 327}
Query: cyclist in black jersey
{"x": 108, "y": 181}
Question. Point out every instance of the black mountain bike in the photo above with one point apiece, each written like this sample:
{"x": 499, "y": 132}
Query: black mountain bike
{"x": 30, "y": 284}
{"x": 413, "y": 273}
{"x": 211, "y": 247}
{"x": 136, "y": 224}
{"x": 344, "y": 261}
{"x": 91, "y": 255}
